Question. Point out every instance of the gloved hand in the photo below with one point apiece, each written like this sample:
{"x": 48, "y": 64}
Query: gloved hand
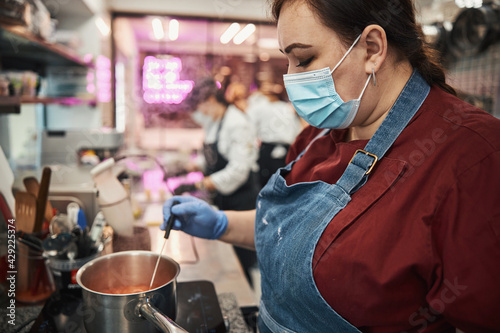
{"x": 195, "y": 217}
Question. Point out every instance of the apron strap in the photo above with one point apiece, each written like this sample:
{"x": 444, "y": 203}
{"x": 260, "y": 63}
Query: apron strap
{"x": 406, "y": 106}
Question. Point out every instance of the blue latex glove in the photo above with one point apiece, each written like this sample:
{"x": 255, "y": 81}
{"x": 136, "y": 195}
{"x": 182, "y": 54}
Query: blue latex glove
{"x": 195, "y": 217}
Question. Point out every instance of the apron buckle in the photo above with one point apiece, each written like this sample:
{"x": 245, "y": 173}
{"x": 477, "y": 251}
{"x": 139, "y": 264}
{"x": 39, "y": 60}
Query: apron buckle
{"x": 375, "y": 159}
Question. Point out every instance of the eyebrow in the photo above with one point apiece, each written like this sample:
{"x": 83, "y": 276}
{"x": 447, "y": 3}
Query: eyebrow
{"x": 290, "y": 47}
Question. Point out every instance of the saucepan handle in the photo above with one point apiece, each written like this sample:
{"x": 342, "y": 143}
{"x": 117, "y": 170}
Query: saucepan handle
{"x": 154, "y": 316}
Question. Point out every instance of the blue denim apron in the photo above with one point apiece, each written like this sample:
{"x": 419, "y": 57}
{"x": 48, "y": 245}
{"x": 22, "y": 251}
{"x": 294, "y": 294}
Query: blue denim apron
{"x": 291, "y": 219}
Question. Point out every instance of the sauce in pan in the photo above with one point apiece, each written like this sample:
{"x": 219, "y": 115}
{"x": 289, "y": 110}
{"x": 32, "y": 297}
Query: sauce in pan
{"x": 124, "y": 290}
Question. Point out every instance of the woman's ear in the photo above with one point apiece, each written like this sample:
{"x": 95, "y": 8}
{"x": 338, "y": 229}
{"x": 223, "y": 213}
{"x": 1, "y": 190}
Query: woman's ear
{"x": 376, "y": 47}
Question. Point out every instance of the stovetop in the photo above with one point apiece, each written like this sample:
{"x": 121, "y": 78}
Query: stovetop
{"x": 198, "y": 311}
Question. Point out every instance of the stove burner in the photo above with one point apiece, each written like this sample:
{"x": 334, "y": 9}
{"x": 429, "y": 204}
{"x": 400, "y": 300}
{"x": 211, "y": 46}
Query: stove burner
{"x": 198, "y": 310}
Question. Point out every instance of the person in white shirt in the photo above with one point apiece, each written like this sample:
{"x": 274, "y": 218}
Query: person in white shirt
{"x": 277, "y": 125}
{"x": 230, "y": 151}
{"x": 230, "y": 147}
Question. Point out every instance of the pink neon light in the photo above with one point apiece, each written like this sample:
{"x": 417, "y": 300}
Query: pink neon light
{"x": 91, "y": 88}
{"x": 190, "y": 178}
{"x": 160, "y": 81}
{"x": 103, "y": 79}
{"x": 87, "y": 58}
{"x": 194, "y": 177}
{"x": 152, "y": 179}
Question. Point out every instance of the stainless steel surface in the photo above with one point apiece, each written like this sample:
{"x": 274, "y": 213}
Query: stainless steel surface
{"x": 109, "y": 312}
{"x": 62, "y": 147}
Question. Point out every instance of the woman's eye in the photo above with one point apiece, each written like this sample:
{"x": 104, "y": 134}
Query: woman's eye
{"x": 305, "y": 62}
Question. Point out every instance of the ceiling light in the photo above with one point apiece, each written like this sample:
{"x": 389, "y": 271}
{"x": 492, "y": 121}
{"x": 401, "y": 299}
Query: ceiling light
{"x": 469, "y": 3}
{"x": 229, "y": 33}
{"x": 158, "y": 29}
{"x": 102, "y": 26}
{"x": 173, "y": 30}
{"x": 244, "y": 34}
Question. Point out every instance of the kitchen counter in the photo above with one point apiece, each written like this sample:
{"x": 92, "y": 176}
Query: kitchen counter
{"x": 216, "y": 262}
{"x": 199, "y": 259}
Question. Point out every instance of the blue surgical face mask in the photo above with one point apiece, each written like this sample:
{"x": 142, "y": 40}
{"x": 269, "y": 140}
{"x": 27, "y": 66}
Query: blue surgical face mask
{"x": 315, "y": 99}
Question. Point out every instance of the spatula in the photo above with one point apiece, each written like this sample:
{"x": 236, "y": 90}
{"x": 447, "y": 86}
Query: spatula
{"x": 26, "y": 207}
{"x": 33, "y": 186}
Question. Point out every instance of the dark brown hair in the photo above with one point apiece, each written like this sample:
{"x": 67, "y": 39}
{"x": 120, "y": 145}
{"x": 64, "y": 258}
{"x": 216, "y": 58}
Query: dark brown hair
{"x": 348, "y": 18}
{"x": 203, "y": 89}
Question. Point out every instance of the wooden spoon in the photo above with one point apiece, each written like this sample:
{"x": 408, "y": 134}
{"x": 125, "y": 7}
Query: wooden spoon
{"x": 33, "y": 187}
{"x": 43, "y": 194}
{"x": 26, "y": 207}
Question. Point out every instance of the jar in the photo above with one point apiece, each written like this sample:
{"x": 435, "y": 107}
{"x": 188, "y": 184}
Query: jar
{"x": 4, "y": 86}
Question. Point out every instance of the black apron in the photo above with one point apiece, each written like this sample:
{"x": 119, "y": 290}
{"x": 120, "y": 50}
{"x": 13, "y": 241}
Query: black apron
{"x": 267, "y": 164}
{"x": 245, "y": 196}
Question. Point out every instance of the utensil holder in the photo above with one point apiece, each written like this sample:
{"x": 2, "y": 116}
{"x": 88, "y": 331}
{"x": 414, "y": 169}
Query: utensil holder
{"x": 34, "y": 282}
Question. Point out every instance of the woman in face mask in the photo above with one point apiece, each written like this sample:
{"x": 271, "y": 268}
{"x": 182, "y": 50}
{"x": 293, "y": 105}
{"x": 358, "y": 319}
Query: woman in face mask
{"x": 230, "y": 151}
{"x": 386, "y": 218}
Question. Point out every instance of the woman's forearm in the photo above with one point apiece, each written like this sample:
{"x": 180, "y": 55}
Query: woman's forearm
{"x": 240, "y": 228}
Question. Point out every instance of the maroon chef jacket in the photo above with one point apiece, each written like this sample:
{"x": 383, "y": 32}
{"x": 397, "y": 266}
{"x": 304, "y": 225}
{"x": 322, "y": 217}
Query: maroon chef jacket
{"x": 418, "y": 247}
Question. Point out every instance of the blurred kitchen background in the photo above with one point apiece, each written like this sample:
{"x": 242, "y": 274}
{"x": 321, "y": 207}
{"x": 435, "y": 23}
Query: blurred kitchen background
{"x": 82, "y": 66}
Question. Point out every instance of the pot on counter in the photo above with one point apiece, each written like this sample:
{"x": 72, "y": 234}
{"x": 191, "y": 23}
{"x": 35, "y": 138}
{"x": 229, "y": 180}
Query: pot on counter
{"x": 117, "y": 298}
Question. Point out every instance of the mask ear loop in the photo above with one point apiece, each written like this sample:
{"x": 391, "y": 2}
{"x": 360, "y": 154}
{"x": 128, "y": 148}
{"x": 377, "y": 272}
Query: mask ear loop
{"x": 366, "y": 85}
{"x": 346, "y": 54}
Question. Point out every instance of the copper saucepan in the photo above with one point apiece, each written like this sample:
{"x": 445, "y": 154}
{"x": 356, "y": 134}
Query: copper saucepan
{"x": 117, "y": 298}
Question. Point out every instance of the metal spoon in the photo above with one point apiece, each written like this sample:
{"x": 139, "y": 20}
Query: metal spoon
{"x": 170, "y": 224}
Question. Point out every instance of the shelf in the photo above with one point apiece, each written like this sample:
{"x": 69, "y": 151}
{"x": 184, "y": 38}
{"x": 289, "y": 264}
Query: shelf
{"x": 17, "y": 43}
{"x": 12, "y": 104}
{"x": 18, "y": 100}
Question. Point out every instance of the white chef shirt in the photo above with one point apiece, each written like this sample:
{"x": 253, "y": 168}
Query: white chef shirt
{"x": 275, "y": 122}
{"x": 237, "y": 144}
